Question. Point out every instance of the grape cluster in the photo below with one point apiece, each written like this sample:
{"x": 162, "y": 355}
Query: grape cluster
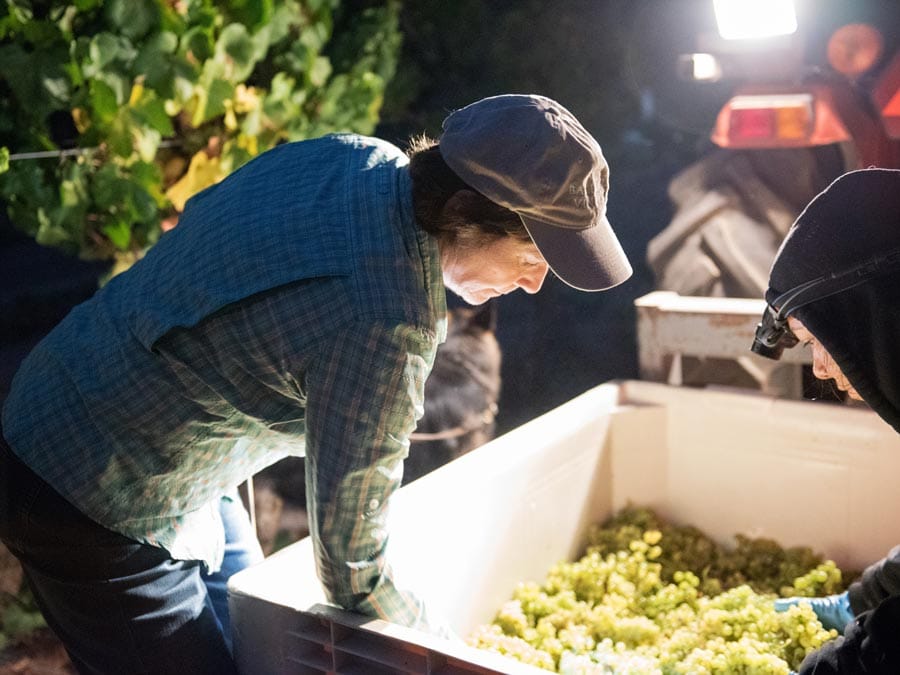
{"x": 649, "y": 597}
{"x": 759, "y": 562}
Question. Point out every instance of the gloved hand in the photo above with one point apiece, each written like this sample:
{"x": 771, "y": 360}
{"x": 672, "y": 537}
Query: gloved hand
{"x": 833, "y": 610}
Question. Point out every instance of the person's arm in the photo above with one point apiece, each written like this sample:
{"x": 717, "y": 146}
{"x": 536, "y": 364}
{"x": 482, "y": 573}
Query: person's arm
{"x": 869, "y": 645}
{"x": 365, "y": 393}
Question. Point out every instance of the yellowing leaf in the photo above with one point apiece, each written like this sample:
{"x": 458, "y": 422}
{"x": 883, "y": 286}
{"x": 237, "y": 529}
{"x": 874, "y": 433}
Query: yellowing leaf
{"x": 248, "y": 143}
{"x": 137, "y": 91}
{"x": 146, "y": 142}
{"x": 230, "y": 119}
{"x": 172, "y": 107}
{"x": 202, "y": 172}
{"x": 81, "y": 119}
{"x": 245, "y": 99}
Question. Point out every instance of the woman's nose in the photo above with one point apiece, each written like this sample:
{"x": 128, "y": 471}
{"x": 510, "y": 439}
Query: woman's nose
{"x": 822, "y": 363}
{"x": 532, "y": 281}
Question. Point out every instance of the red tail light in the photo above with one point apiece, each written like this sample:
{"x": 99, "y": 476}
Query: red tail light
{"x": 750, "y": 123}
{"x": 886, "y": 95}
{"x": 774, "y": 119}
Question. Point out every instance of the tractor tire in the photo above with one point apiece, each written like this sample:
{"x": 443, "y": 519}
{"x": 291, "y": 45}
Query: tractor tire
{"x": 732, "y": 210}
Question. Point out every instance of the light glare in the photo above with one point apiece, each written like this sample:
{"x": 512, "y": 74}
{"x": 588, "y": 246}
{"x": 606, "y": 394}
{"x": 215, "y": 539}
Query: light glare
{"x": 706, "y": 67}
{"x": 745, "y": 19}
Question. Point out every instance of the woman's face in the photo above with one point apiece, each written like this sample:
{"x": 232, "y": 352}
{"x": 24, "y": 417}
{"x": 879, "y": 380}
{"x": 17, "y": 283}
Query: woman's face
{"x": 824, "y": 366}
{"x": 499, "y": 266}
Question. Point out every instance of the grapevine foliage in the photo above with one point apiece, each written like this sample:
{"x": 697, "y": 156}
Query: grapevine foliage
{"x": 19, "y": 616}
{"x": 650, "y": 597}
{"x": 150, "y": 101}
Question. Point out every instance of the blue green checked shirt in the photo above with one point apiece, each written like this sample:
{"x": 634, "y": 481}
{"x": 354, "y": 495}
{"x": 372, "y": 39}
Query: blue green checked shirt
{"x": 296, "y": 309}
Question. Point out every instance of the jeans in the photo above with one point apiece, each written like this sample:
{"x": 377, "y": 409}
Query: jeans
{"x": 120, "y": 606}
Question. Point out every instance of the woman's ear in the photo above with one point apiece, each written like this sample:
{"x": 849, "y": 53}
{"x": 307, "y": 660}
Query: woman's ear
{"x": 459, "y": 206}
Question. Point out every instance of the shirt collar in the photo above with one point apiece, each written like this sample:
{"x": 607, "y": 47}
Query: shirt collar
{"x": 431, "y": 258}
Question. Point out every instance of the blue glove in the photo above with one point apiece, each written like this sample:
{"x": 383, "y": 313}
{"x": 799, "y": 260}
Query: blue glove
{"x": 833, "y": 610}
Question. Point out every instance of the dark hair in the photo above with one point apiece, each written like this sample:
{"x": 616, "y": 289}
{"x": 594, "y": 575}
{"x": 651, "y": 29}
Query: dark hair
{"x": 434, "y": 183}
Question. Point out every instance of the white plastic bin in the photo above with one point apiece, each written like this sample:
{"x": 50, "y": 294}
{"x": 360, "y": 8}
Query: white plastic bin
{"x": 802, "y": 473}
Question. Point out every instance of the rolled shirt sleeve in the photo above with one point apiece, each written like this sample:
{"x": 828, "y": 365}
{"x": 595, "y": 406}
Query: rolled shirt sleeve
{"x": 365, "y": 394}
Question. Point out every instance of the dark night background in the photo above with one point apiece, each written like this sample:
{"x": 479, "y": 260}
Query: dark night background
{"x": 611, "y": 63}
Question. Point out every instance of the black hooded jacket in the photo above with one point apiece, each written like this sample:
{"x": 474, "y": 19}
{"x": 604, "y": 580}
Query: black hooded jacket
{"x": 855, "y": 223}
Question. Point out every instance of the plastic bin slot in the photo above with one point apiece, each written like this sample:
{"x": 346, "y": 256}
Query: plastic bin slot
{"x": 450, "y": 666}
{"x": 295, "y": 668}
{"x": 395, "y": 657}
{"x": 299, "y": 651}
{"x": 366, "y": 668}
{"x": 311, "y": 628}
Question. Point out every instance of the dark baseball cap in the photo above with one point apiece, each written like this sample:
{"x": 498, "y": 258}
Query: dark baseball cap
{"x": 529, "y": 154}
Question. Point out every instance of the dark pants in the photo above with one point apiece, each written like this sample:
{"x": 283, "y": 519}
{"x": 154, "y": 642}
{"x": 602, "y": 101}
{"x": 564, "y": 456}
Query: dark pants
{"x": 119, "y": 606}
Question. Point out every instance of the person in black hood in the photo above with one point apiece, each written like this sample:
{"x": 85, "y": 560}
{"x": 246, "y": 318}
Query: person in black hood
{"x": 835, "y": 285}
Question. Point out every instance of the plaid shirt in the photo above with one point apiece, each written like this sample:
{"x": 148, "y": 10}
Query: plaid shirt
{"x": 296, "y": 309}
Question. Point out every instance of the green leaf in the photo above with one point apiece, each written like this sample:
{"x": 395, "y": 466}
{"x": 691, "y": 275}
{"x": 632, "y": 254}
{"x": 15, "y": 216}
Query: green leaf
{"x": 315, "y": 36}
{"x": 320, "y": 71}
{"x": 219, "y": 92}
{"x": 211, "y": 101}
{"x": 37, "y": 80}
{"x": 198, "y": 42}
{"x": 25, "y": 183}
{"x": 19, "y": 620}
{"x": 133, "y": 18}
{"x": 251, "y": 13}
{"x": 20, "y": 10}
{"x": 103, "y": 101}
{"x": 56, "y": 87}
{"x": 234, "y": 156}
{"x": 132, "y": 71}
{"x": 148, "y": 176}
{"x": 70, "y": 193}
{"x": 152, "y": 112}
{"x": 155, "y": 59}
{"x": 118, "y": 82}
{"x": 142, "y": 206}
{"x": 202, "y": 14}
{"x": 121, "y": 137}
{"x": 49, "y": 233}
{"x": 282, "y": 87}
{"x": 41, "y": 33}
{"x": 286, "y": 17}
{"x": 107, "y": 187}
{"x": 119, "y": 233}
{"x": 252, "y": 123}
{"x": 237, "y": 48}
{"x": 297, "y": 60}
{"x": 103, "y": 50}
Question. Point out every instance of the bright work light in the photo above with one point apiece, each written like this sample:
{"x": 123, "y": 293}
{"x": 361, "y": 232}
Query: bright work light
{"x": 743, "y": 19}
{"x": 702, "y": 67}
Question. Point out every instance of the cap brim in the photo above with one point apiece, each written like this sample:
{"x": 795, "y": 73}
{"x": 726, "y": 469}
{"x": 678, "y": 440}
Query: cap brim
{"x": 591, "y": 259}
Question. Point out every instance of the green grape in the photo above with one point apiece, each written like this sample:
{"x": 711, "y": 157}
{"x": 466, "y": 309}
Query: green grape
{"x": 608, "y": 658}
{"x": 511, "y": 619}
{"x": 650, "y": 597}
{"x": 824, "y": 579}
{"x": 491, "y": 638}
